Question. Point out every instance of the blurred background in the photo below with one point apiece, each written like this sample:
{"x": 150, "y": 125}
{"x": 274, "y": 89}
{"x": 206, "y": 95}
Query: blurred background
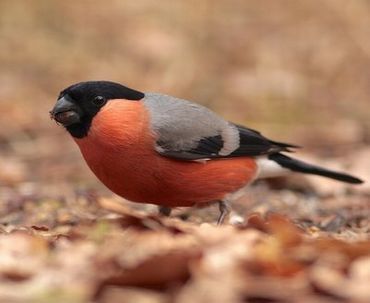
{"x": 296, "y": 70}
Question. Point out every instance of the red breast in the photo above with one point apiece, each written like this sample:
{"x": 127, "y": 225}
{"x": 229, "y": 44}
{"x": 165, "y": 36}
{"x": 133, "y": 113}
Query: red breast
{"x": 119, "y": 149}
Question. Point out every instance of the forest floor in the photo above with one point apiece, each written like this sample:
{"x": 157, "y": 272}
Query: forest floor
{"x": 296, "y": 70}
{"x": 287, "y": 240}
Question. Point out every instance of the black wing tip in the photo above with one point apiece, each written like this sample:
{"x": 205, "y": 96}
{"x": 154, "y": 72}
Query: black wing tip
{"x": 286, "y": 146}
{"x": 282, "y": 147}
{"x": 290, "y": 149}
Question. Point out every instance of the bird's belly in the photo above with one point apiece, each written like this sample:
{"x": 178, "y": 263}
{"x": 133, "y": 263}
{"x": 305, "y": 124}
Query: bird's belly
{"x": 150, "y": 178}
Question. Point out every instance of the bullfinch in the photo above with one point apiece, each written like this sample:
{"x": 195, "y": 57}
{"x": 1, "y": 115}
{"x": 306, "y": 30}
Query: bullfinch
{"x": 154, "y": 148}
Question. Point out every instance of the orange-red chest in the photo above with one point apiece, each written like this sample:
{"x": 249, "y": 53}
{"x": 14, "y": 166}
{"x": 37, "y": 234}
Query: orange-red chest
{"x": 119, "y": 149}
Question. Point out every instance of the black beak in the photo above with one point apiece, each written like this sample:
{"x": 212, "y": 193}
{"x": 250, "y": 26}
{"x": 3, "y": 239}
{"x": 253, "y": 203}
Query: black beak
{"x": 65, "y": 112}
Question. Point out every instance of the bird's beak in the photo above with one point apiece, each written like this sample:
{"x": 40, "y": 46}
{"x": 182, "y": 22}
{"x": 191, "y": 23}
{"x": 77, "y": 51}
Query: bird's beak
{"x": 65, "y": 112}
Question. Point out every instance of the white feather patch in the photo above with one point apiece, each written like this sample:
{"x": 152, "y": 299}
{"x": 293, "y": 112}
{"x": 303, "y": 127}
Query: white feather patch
{"x": 202, "y": 160}
{"x": 231, "y": 138}
{"x": 269, "y": 169}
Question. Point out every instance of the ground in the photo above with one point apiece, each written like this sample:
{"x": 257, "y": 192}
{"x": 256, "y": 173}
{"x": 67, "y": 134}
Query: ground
{"x": 296, "y": 70}
{"x": 286, "y": 240}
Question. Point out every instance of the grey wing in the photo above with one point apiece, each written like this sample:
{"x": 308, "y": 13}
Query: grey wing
{"x": 188, "y": 131}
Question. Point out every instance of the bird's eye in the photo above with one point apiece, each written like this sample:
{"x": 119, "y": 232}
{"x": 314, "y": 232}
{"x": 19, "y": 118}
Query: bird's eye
{"x": 99, "y": 101}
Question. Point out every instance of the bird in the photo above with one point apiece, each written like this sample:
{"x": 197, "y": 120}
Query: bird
{"x": 158, "y": 149}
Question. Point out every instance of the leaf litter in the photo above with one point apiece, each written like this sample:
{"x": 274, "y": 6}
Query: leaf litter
{"x": 291, "y": 239}
{"x": 286, "y": 246}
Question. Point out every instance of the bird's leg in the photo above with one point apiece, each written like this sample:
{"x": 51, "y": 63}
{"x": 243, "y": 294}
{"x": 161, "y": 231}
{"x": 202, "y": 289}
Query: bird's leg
{"x": 164, "y": 210}
{"x": 224, "y": 208}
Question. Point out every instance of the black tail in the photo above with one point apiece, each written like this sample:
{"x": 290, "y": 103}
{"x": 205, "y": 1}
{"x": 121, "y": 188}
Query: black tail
{"x": 302, "y": 167}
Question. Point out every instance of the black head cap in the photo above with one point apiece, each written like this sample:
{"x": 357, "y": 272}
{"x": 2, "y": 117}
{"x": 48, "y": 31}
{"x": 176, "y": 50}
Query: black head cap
{"x": 79, "y": 103}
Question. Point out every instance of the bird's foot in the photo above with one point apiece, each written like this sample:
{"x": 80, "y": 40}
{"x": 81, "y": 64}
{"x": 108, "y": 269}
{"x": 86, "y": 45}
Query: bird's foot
{"x": 164, "y": 210}
{"x": 225, "y": 209}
